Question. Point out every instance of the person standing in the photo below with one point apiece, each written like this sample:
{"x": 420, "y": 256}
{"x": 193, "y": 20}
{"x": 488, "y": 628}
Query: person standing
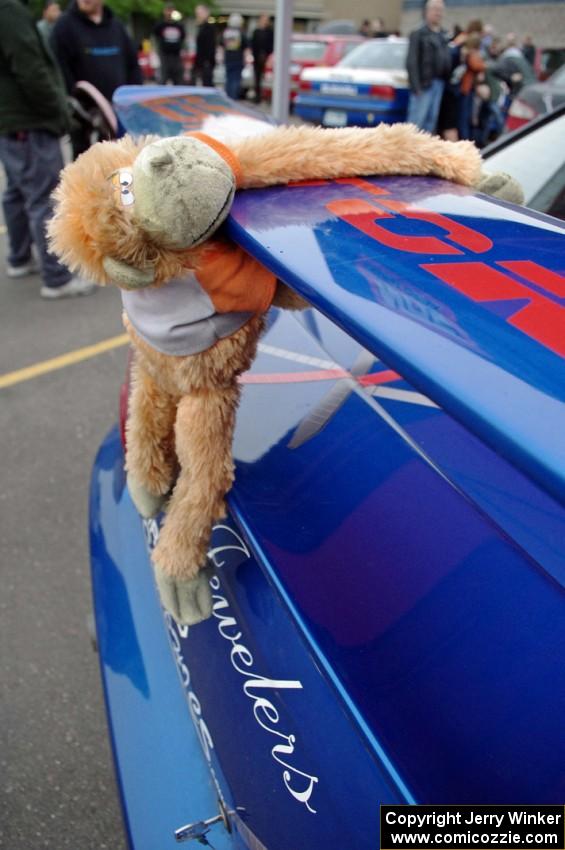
{"x": 529, "y": 50}
{"x": 378, "y": 29}
{"x": 474, "y": 67}
{"x": 429, "y": 66}
{"x": 91, "y": 44}
{"x": 235, "y": 44}
{"x": 33, "y": 117}
{"x": 513, "y": 67}
{"x": 205, "y": 59}
{"x": 262, "y": 42}
{"x": 170, "y": 35}
{"x": 50, "y": 15}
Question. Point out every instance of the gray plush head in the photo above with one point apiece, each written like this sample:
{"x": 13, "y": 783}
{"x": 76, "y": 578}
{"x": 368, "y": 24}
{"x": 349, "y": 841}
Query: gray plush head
{"x": 181, "y": 190}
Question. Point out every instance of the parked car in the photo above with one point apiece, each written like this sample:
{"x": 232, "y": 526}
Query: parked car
{"x": 309, "y": 51}
{"x": 535, "y": 156}
{"x": 388, "y": 620}
{"x": 536, "y": 99}
{"x": 368, "y": 86}
{"x": 548, "y": 60}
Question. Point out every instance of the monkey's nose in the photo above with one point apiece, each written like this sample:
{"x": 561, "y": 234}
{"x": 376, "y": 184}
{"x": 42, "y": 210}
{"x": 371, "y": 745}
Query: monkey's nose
{"x": 160, "y": 159}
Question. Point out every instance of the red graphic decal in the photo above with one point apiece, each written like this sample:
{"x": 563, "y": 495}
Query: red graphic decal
{"x": 364, "y": 185}
{"x": 299, "y": 183}
{"x": 361, "y": 215}
{"x": 541, "y": 318}
{"x": 165, "y": 112}
{"x": 458, "y": 233}
{"x": 384, "y": 377}
{"x": 187, "y": 110}
{"x": 529, "y": 270}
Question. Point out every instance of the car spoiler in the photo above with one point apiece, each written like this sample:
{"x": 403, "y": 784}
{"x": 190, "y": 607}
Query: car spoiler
{"x": 461, "y": 294}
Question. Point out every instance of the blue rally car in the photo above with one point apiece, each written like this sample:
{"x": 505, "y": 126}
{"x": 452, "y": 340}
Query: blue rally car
{"x": 388, "y": 620}
{"x": 367, "y": 87}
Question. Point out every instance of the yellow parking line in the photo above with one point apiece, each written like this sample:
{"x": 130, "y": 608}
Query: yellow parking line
{"x": 2, "y": 228}
{"x": 11, "y": 378}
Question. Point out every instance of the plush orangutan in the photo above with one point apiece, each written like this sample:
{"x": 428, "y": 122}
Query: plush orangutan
{"x": 144, "y": 214}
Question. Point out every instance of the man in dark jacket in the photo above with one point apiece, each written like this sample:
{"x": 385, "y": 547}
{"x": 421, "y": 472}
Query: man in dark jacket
{"x": 261, "y": 46}
{"x": 33, "y": 116}
{"x": 170, "y": 35}
{"x": 205, "y": 59}
{"x": 429, "y": 65}
{"x": 92, "y": 45}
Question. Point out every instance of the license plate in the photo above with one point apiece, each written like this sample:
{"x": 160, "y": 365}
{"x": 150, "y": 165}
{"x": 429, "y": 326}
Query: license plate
{"x": 340, "y": 89}
{"x": 334, "y": 118}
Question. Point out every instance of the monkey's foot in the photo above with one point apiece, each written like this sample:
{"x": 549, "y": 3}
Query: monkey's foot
{"x": 189, "y": 601}
{"x": 148, "y": 504}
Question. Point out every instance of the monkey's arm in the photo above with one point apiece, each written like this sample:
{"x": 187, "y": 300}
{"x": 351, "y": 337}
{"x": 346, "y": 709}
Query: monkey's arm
{"x": 313, "y": 153}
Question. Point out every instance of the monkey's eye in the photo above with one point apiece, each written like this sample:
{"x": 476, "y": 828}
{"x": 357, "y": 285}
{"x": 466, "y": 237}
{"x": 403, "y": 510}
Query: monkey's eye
{"x": 125, "y": 177}
{"x": 122, "y": 180}
{"x": 126, "y": 197}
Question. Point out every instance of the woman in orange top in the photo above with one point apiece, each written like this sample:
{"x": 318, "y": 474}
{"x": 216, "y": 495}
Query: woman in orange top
{"x": 474, "y": 65}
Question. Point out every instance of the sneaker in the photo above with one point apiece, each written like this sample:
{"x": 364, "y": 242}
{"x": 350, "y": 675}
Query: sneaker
{"x": 75, "y": 286}
{"x": 31, "y": 267}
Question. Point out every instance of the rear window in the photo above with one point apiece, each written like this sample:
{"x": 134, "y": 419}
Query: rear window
{"x": 307, "y": 50}
{"x": 385, "y": 55}
{"x": 552, "y": 59}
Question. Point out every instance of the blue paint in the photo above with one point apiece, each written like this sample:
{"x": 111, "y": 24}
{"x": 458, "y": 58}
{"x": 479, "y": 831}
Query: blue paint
{"x": 162, "y": 776}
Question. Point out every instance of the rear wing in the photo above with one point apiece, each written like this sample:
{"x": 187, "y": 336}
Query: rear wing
{"x": 463, "y": 295}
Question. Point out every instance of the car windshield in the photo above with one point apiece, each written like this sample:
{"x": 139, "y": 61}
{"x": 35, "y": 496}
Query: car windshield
{"x": 537, "y": 161}
{"x": 301, "y": 51}
{"x": 388, "y": 55}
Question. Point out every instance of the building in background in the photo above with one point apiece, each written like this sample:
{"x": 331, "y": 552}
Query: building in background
{"x": 309, "y": 14}
{"x": 544, "y": 20}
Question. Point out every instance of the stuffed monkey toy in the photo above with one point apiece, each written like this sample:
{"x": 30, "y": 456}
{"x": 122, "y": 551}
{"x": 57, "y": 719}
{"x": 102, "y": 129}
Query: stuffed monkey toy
{"x": 144, "y": 215}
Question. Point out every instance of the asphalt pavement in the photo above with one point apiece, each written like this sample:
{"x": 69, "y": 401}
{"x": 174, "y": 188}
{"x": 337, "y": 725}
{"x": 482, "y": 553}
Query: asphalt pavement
{"x": 57, "y": 787}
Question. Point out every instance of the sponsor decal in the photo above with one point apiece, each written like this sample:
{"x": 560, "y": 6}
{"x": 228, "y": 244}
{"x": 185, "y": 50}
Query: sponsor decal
{"x": 534, "y": 295}
{"x": 258, "y": 689}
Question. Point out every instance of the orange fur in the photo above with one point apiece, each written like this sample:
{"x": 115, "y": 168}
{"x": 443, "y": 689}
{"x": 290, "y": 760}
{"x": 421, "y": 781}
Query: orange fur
{"x": 88, "y": 226}
{"x": 182, "y": 409}
{"x": 313, "y": 153}
{"x": 197, "y": 396}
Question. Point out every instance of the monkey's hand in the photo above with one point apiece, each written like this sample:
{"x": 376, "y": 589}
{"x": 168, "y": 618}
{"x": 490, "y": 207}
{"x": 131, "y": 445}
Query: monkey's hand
{"x": 501, "y": 185}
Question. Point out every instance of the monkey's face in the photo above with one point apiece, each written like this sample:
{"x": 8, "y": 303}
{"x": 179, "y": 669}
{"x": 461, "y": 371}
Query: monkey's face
{"x": 179, "y": 191}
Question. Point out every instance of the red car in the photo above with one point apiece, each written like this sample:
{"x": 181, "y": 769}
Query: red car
{"x": 306, "y": 51}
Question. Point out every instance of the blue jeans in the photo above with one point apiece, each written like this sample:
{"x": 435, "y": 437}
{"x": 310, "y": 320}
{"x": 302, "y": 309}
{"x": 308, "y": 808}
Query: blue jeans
{"x": 423, "y": 108}
{"x": 465, "y": 115}
{"x": 32, "y": 164}
{"x": 233, "y": 80}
